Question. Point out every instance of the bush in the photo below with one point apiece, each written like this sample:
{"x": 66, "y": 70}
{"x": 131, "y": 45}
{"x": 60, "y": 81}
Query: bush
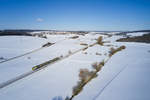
{"x": 113, "y": 51}
{"x": 47, "y": 44}
{"x": 69, "y": 52}
{"x": 123, "y": 47}
{"x": 109, "y": 35}
{"x": 98, "y": 54}
{"x": 45, "y": 37}
{"x": 98, "y": 66}
{"x": 2, "y": 58}
{"x": 85, "y": 52}
{"x": 85, "y": 48}
{"x": 83, "y": 44}
{"x": 74, "y": 37}
{"x": 57, "y": 98}
{"x": 92, "y": 44}
{"x": 102, "y": 63}
{"x": 99, "y": 40}
{"x": 95, "y": 65}
{"x": 77, "y": 89}
{"x": 67, "y": 98}
{"x": 84, "y": 74}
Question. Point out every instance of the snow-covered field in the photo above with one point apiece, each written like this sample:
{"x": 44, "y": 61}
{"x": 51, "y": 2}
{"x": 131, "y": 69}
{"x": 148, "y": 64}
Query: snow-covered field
{"x": 24, "y": 64}
{"x": 124, "y": 76}
{"x": 16, "y": 45}
{"x": 137, "y": 34}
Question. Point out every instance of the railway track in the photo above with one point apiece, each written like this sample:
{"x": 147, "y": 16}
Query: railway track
{"x": 7, "y": 83}
{"x": 33, "y": 51}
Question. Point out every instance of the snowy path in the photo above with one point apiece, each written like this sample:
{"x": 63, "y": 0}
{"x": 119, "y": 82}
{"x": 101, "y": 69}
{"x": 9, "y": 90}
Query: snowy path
{"x": 124, "y": 77}
{"x": 30, "y": 52}
{"x": 57, "y": 80}
{"x": 8, "y": 82}
{"x": 21, "y": 55}
{"x": 133, "y": 83}
{"x": 12, "y": 46}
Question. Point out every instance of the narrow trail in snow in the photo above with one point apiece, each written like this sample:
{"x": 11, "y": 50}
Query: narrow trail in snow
{"x": 4, "y": 84}
{"x": 105, "y": 61}
{"x": 33, "y": 51}
{"x": 100, "y": 92}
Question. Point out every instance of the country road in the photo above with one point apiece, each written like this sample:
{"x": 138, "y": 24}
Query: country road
{"x": 33, "y": 51}
{"x": 4, "y": 84}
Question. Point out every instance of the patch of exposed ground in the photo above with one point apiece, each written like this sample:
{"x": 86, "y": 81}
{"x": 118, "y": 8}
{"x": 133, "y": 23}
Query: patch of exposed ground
{"x": 144, "y": 38}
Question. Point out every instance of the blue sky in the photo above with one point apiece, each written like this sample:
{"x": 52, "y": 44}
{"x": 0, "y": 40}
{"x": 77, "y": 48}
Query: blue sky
{"x": 75, "y": 14}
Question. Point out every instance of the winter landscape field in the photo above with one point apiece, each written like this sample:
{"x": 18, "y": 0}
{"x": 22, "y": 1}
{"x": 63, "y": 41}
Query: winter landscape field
{"x": 89, "y": 66}
{"x": 74, "y": 49}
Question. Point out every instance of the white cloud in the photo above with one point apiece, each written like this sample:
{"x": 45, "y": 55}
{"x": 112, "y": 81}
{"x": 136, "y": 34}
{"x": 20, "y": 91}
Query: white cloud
{"x": 39, "y": 20}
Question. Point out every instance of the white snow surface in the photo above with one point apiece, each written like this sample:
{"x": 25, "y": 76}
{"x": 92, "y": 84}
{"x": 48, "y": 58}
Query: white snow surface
{"x": 137, "y": 34}
{"x": 11, "y": 46}
{"x": 132, "y": 83}
{"x": 24, "y": 64}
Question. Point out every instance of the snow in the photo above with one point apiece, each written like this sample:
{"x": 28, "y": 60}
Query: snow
{"x": 131, "y": 84}
{"x": 24, "y": 64}
{"x": 137, "y": 34}
{"x": 12, "y": 46}
{"x": 55, "y": 80}
{"x": 124, "y": 76}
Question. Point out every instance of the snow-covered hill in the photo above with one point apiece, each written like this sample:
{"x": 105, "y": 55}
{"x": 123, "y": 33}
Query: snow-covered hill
{"x": 123, "y": 77}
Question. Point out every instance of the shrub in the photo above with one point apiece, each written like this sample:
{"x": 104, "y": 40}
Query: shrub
{"x": 83, "y": 44}
{"x": 77, "y": 89}
{"x": 105, "y": 54}
{"x": 95, "y": 65}
{"x": 123, "y": 47}
{"x": 85, "y": 48}
{"x": 69, "y": 52}
{"x": 45, "y": 37}
{"x": 92, "y": 45}
{"x": 102, "y": 63}
{"x": 67, "y": 98}
{"x": 113, "y": 51}
{"x": 85, "y": 52}
{"x": 98, "y": 66}
{"x": 61, "y": 56}
{"x": 2, "y": 58}
{"x": 74, "y": 37}
{"x": 57, "y": 98}
{"x": 47, "y": 44}
{"x": 109, "y": 35}
{"x": 99, "y": 40}
{"x": 109, "y": 45}
{"x": 84, "y": 74}
{"x": 98, "y": 54}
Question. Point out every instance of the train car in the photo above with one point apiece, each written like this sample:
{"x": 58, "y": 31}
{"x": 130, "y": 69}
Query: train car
{"x": 45, "y": 63}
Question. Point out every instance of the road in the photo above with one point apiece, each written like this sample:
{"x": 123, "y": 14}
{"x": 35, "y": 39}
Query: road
{"x": 4, "y": 84}
{"x": 33, "y": 51}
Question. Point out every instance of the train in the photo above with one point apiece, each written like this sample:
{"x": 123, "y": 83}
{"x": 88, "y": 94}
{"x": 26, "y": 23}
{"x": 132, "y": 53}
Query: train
{"x": 45, "y": 63}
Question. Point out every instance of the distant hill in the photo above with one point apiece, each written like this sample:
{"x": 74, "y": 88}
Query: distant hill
{"x": 11, "y": 33}
{"x": 144, "y": 38}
